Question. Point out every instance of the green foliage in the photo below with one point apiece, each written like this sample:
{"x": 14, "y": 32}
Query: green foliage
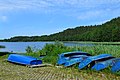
{"x": 52, "y": 51}
{"x": 29, "y": 49}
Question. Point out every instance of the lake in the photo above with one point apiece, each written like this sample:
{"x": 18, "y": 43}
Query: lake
{"x": 21, "y": 46}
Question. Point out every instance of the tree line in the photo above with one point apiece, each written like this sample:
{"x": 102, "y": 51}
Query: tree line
{"x": 109, "y": 31}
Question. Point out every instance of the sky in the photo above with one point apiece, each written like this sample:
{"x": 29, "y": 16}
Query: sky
{"x": 44, "y": 17}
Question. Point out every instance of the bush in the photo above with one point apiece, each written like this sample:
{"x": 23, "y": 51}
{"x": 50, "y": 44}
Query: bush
{"x": 29, "y": 49}
{"x": 53, "y": 50}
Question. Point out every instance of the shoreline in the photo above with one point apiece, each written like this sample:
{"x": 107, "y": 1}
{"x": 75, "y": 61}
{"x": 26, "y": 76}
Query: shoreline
{"x": 96, "y": 43}
{"x": 82, "y": 42}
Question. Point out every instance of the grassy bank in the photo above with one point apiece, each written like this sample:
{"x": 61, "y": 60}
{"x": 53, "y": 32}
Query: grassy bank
{"x": 52, "y": 50}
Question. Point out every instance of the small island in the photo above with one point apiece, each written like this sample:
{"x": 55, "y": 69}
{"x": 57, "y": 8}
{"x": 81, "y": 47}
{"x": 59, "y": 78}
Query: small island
{"x": 1, "y": 46}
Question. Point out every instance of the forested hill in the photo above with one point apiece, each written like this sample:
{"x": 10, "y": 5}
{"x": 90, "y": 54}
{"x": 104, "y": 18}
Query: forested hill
{"x": 109, "y": 31}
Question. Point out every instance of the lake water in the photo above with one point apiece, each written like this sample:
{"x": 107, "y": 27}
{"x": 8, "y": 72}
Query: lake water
{"x": 21, "y": 46}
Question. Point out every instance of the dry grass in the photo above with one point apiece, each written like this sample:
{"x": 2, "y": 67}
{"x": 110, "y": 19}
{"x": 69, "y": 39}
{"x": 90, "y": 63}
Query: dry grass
{"x": 9, "y": 71}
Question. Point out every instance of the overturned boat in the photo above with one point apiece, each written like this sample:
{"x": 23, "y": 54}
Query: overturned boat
{"x": 75, "y": 60}
{"x": 70, "y": 55}
{"x": 23, "y": 60}
{"x": 104, "y": 64}
{"x": 116, "y": 65}
{"x": 91, "y": 60}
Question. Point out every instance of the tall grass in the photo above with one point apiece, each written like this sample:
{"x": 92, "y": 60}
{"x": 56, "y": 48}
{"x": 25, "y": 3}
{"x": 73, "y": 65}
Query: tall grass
{"x": 97, "y": 43}
{"x": 53, "y": 50}
{"x": 100, "y": 49}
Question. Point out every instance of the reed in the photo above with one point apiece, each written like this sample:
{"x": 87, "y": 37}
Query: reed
{"x": 53, "y": 50}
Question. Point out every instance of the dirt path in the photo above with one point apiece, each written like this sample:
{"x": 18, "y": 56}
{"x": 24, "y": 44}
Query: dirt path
{"x": 9, "y": 71}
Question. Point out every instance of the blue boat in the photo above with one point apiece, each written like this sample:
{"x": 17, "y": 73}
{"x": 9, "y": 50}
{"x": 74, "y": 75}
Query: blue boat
{"x": 75, "y": 60}
{"x": 68, "y": 55}
{"x": 101, "y": 57}
{"x": 24, "y": 60}
{"x": 116, "y": 66}
{"x": 104, "y": 64}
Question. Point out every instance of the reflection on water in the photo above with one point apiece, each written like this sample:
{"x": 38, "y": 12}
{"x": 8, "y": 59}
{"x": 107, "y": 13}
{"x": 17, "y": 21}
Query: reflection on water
{"x": 21, "y": 46}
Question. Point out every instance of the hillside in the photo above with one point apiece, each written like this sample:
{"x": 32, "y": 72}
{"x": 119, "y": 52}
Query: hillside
{"x": 109, "y": 31}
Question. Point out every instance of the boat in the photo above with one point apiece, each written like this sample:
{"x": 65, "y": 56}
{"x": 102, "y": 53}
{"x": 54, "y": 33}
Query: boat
{"x": 23, "y": 60}
{"x": 68, "y": 55}
{"x": 104, "y": 64}
{"x": 116, "y": 65}
{"x": 91, "y": 60}
{"x": 75, "y": 60}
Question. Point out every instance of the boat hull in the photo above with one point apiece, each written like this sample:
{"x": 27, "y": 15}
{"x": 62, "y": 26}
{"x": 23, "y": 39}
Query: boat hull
{"x": 116, "y": 66}
{"x": 69, "y": 55}
{"x": 104, "y": 64}
{"x": 74, "y": 60}
{"x": 24, "y": 60}
{"x": 89, "y": 60}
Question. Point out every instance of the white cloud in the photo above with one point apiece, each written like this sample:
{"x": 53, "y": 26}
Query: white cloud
{"x": 3, "y": 18}
{"x": 11, "y": 5}
{"x": 82, "y": 9}
{"x": 6, "y": 5}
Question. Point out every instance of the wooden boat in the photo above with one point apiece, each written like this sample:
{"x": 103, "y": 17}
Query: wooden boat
{"x": 104, "y": 64}
{"x": 68, "y": 55}
{"x": 24, "y": 60}
{"x": 101, "y": 57}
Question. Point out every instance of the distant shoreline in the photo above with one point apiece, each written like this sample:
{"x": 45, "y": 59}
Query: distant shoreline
{"x": 81, "y": 42}
{"x": 1, "y": 46}
{"x": 96, "y": 43}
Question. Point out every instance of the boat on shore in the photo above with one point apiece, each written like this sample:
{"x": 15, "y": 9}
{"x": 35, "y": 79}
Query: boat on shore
{"x": 23, "y": 60}
{"x": 104, "y": 64}
{"x": 70, "y": 55}
{"x": 116, "y": 65}
{"x": 93, "y": 59}
{"x": 75, "y": 60}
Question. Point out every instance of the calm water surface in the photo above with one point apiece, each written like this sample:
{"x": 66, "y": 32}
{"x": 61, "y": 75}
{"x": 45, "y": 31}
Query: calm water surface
{"x": 21, "y": 46}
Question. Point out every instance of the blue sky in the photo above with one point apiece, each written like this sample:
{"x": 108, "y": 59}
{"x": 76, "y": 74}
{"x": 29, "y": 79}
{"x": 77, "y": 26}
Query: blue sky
{"x": 44, "y": 17}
